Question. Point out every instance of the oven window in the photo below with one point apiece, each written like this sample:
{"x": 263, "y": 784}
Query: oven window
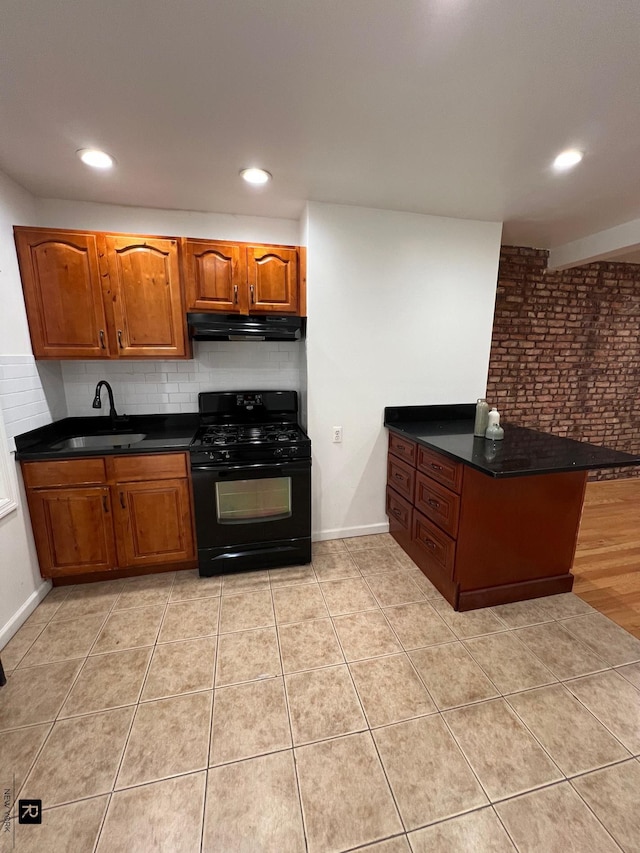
{"x": 246, "y": 501}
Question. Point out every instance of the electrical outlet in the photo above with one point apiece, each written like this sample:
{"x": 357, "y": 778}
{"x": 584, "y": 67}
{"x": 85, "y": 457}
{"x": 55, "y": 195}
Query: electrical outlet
{"x": 337, "y": 435}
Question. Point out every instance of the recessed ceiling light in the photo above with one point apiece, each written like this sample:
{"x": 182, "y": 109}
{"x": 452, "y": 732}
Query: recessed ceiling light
{"x": 255, "y": 176}
{"x": 567, "y": 159}
{"x": 95, "y": 158}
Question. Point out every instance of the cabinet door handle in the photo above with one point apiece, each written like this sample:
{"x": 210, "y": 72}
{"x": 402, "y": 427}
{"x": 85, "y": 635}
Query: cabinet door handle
{"x": 235, "y": 293}
{"x": 105, "y": 505}
{"x": 396, "y": 511}
{"x": 401, "y": 447}
{"x": 102, "y": 343}
{"x": 398, "y": 476}
{"x": 253, "y": 299}
{"x": 120, "y": 344}
{"x": 436, "y": 467}
{"x": 122, "y": 503}
{"x": 430, "y": 544}
{"x": 433, "y": 503}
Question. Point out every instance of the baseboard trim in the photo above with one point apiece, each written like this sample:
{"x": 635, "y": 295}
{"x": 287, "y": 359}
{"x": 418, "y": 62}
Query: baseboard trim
{"x": 346, "y": 532}
{"x": 21, "y": 615}
{"x": 509, "y": 592}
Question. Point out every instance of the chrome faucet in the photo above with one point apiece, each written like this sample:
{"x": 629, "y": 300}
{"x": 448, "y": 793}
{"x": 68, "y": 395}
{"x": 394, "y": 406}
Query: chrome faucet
{"x": 97, "y": 404}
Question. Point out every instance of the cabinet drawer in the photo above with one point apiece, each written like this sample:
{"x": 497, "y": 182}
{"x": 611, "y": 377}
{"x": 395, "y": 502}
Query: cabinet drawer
{"x": 434, "y": 543}
{"x": 402, "y": 447}
{"x": 401, "y": 477}
{"x": 437, "y": 503}
{"x": 399, "y": 509}
{"x": 66, "y": 472}
{"x": 163, "y": 466}
{"x": 444, "y": 470}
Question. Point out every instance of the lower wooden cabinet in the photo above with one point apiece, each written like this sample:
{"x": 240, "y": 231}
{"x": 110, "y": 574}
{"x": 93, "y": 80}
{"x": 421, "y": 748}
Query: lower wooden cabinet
{"x": 100, "y": 514}
{"x": 153, "y": 522}
{"x": 73, "y": 530}
{"x": 482, "y": 540}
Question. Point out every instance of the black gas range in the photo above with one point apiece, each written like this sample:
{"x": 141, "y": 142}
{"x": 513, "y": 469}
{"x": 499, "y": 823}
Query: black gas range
{"x": 251, "y": 471}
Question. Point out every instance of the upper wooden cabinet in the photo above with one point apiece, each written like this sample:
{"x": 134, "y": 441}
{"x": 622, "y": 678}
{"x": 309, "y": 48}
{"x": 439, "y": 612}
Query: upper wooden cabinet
{"x": 63, "y": 293}
{"x": 272, "y": 274}
{"x": 90, "y": 295}
{"x": 242, "y": 278}
{"x": 146, "y": 299}
{"x": 213, "y": 274}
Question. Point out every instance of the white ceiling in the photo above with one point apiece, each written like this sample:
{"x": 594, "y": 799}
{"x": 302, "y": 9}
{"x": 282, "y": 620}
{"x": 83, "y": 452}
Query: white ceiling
{"x": 449, "y": 107}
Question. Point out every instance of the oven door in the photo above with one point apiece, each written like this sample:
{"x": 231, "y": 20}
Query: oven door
{"x": 252, "y": 516}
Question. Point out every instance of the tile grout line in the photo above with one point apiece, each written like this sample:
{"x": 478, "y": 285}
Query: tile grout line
{"x": 371, "y": 737}
{"x": 602, "y": 723}
{"x": 367, "y": 845}
{"x": 575, "y": 639}
{"x": 286, "y": 701}
{"x": 602, "y": 824}
{"x": 533, "y": 734}
{"x": 66, "y": 697}
{"x": 510, "y": 632}
{"x": 56, "y": 719}
{"x": 28, "y": 649}
{"x": 211, "y": 721}
{"x": 504, "y": 826}
{"x": 133, "y": 718}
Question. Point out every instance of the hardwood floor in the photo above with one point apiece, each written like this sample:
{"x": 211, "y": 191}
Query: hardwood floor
{"x": 607, "y": 561}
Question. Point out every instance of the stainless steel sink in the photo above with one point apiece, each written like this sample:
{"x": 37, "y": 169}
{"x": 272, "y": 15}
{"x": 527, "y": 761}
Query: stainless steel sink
{"x": 98, "y": 442}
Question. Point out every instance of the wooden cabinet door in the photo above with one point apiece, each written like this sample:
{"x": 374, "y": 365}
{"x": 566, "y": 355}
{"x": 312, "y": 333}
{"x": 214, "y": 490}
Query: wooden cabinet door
{"x": 215, "y": 276}
{"x": 154, "y": 522}
{"x": 272, "y": 274}
{"x": 63, "y": 294}
{"x": 147, "y": 301}
{"x": 73, "y": 530}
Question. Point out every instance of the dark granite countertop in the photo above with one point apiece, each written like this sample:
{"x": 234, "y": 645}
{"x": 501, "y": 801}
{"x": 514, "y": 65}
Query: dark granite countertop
{"x": 522, "y": 452}
{"x": 163, "y": 434}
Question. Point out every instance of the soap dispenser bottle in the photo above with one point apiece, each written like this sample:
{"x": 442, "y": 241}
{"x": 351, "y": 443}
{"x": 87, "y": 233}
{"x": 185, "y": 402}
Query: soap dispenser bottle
{"x": 494, "y": 431}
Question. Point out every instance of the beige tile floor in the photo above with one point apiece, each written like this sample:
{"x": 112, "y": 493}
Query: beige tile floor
{"x": 331, "y": 707}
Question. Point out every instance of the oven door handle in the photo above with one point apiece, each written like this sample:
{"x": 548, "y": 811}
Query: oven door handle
{"x": 227, "y": 471}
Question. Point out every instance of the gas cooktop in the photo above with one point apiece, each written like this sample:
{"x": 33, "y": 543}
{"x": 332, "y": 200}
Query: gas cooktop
{"x": 235, "y": 434}
{"x": 248, "y": 426}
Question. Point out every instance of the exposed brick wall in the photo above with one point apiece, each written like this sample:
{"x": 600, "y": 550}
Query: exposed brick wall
{"x": 565, "y": 354}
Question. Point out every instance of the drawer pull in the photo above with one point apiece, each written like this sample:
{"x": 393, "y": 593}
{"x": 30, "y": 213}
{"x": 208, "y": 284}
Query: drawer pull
{"x": 396, "y": 512}
{"x": 401, "y": 447}
{"x": 434, "y": 503}
{"x": 436, "y": 467}
{"x": 398, "y": 476}
{"x": 430, "y": 544}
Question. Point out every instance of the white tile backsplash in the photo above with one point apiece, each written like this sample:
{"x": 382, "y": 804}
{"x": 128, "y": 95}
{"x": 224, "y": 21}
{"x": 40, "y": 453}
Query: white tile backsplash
{"x": 31, "y": 394}
{"x": 173, "y": 386}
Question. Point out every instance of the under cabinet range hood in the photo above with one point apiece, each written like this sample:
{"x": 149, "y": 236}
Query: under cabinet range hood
{"x": 237, "y": 327}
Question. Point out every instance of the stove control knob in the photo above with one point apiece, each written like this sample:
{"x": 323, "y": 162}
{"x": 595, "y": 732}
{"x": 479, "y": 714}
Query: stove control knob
{"x": 278, "y": 451}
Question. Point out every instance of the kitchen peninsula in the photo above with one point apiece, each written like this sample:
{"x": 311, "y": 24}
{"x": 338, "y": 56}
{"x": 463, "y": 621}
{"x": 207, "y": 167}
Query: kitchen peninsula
{"x": 488, "y": 522}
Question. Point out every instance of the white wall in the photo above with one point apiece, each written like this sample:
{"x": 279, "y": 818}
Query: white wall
{"x": 54, "y": 213}
{"x": 21, "y": 586}
{"x": 400, "y": 313}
